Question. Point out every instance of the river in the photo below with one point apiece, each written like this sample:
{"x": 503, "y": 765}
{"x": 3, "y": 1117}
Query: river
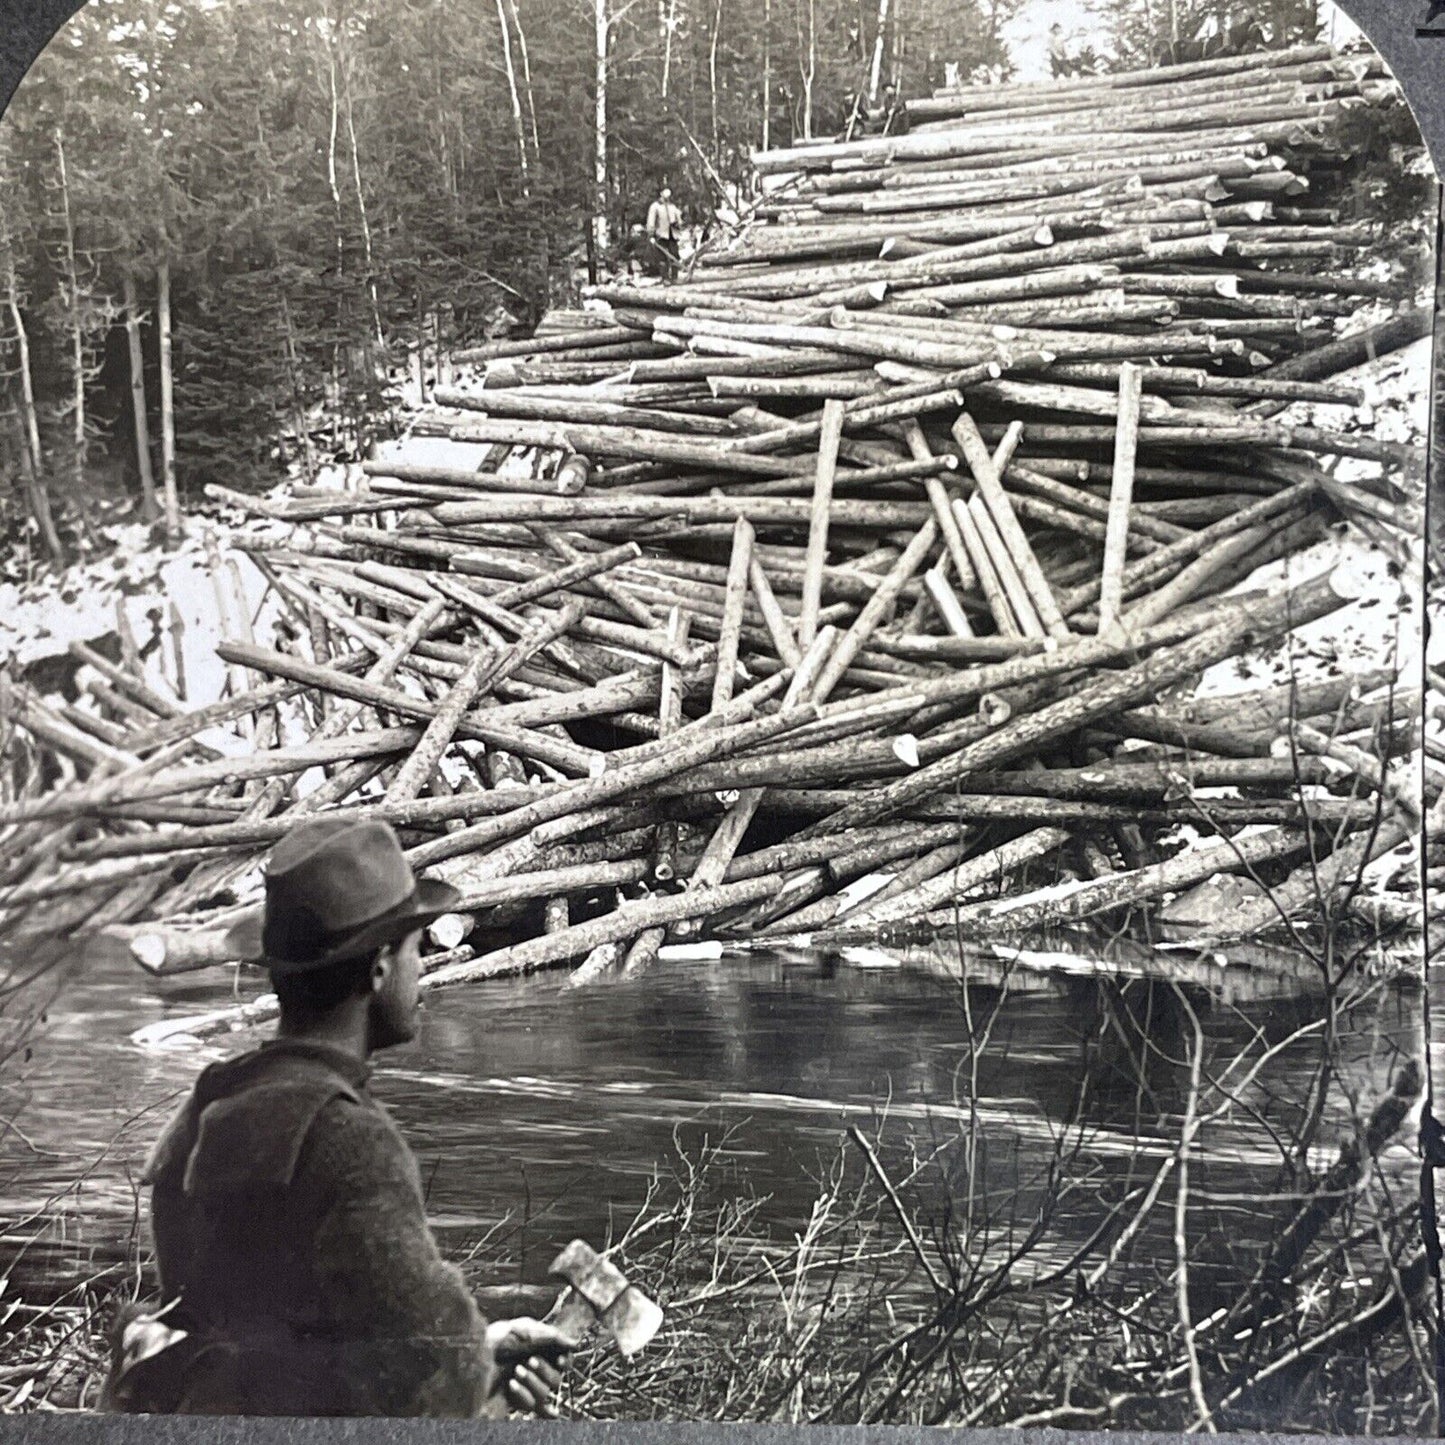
{"x": 546, "y": 1111}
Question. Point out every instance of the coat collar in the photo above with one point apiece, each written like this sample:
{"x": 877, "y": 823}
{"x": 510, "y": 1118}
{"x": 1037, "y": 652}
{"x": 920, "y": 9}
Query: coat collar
{"x": 356, "y": 1072}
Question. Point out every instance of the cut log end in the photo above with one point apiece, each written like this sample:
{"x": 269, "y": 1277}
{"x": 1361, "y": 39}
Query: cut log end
{"x": 149, "y": 950}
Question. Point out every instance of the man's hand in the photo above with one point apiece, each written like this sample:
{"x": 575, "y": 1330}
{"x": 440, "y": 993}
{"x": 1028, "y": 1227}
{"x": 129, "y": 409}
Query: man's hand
{"x": 530, "y": 1359}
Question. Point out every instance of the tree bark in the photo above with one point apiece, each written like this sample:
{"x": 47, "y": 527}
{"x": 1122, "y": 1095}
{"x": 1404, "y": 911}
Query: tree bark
{"x": 168, "y": 418}
{"x": 298, "y": 401}
{"x": 599, "y": 172}
{"x": 876, "y": 70}
{"x": 71, "y": 293}
{"x": 526, "y": 76}
{"x": 331, "y": 180}
{"x": 808, "y": 66}
{"x": 442, "y": 116}
{"x": 335, "y": 188}
{"x": 361, "y": 205}
{"x": 767, "y": 71}
{"x": 518, "y": 124}
{"x": 150, "y": 509}
{"x": 36, "y": 494}
{"x": 669, "y": 29}
{"x": 712, "y": 79}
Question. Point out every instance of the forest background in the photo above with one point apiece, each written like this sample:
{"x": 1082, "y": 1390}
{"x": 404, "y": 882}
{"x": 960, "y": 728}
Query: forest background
{"x": 229, "y": 232}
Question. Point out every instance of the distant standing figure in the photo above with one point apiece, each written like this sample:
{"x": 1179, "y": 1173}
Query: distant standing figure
{"x": 895, "y": 113}
{"x": 663, "y": 223}
{"x": 888, "y": 117}
{"x": 1245, "y": 34}
{"x": 1060, "y": 65}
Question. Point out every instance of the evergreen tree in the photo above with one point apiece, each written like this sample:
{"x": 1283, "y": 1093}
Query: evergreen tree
{"x": 320, "y": 194}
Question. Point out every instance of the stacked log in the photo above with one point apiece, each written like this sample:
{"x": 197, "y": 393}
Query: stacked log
{"x": 884, "y": 543}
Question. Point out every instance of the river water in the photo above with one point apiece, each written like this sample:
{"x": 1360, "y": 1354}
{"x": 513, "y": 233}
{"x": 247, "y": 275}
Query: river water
{"x": 546, "y": 1111}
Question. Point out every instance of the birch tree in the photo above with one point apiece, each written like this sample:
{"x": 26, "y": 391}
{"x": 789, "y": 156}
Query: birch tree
{"x": 32, "y": 457}
{"x": 713, "y": 37}
{"x": 516, "y": 15}
{"x": 81, "y": 313}
{"x": 767, "y": 70}
{"x": 132, "y": 312}
{"x": 168, "y": 407}
{"x": 602, "y": 26}
{"x": 159, "y": 231}
{"x": 807, "y": 58}
{"x": 875, "y": 71}
{"x": 361, "y": 213}
{"x": 518, "y": 125}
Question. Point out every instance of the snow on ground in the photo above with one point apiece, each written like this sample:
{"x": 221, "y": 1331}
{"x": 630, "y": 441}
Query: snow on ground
{"x": 203, "y": 577}
{"x": 40, "y": 619}
{"x": 423, "y": 451}
{"x": 1383, "y": 626}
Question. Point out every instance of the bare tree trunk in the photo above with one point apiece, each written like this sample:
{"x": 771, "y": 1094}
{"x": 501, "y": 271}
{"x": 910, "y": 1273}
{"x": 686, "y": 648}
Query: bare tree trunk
{"x": 361, "y": 205}
{"x": 439, "y": 124}
{"x": 526, "y": 77}
{"x": 518, "y": 125}
{"x": 712, "y": 80}
{"x": 298, "y": 400}
{"x": 442, "y": 353}
{"x": 150, "y": 510}
{"x": 71, "y": 293}
{"x": 669, "y": 29}
{"x": 767, "y": 69}
{"x": 30, "y": 416}
{"x": 31, "y": 456}
{"x": 331, "y": 180}
{"x": 36, "y": 495}
{"x": 168, "y": 417}
{"x": 808, "y": 66}
{"x": 335, "y": 188}
{"x": 34, "y": 478}
{"x": 876, "y": 71}
{"x": 599, "y": 198}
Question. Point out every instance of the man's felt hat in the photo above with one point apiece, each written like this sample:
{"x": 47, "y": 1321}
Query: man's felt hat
{"x": 335, "y": 889}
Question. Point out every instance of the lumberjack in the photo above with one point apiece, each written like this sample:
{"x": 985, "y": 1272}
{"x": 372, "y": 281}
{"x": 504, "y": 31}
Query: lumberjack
{"x": 298, "y": 1274}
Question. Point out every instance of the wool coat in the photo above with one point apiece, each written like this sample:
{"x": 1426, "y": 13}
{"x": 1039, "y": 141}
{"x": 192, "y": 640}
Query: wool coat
{"x": 292, "y": 1245}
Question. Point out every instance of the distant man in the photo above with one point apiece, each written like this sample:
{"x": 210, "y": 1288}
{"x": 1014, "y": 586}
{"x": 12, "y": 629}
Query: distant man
{"x": 298, "y": 1275}
{"x": 895, "y": 113}
{"x": 1244, "y": 33}
{"x": 888, "y": 116}
{"x": 1060, "y": 64}
{"x": 664, "y": 221}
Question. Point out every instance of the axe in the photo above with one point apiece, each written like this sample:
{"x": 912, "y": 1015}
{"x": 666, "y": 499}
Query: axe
{"x": 598, "y": 1292}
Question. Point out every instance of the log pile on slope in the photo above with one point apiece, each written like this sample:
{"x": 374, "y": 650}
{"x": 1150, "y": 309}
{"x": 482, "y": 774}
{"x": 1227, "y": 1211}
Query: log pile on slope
{"x": 885, "y": 542}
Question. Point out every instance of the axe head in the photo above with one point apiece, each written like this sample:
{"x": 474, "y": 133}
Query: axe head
{"x": 598, "y": 1290}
